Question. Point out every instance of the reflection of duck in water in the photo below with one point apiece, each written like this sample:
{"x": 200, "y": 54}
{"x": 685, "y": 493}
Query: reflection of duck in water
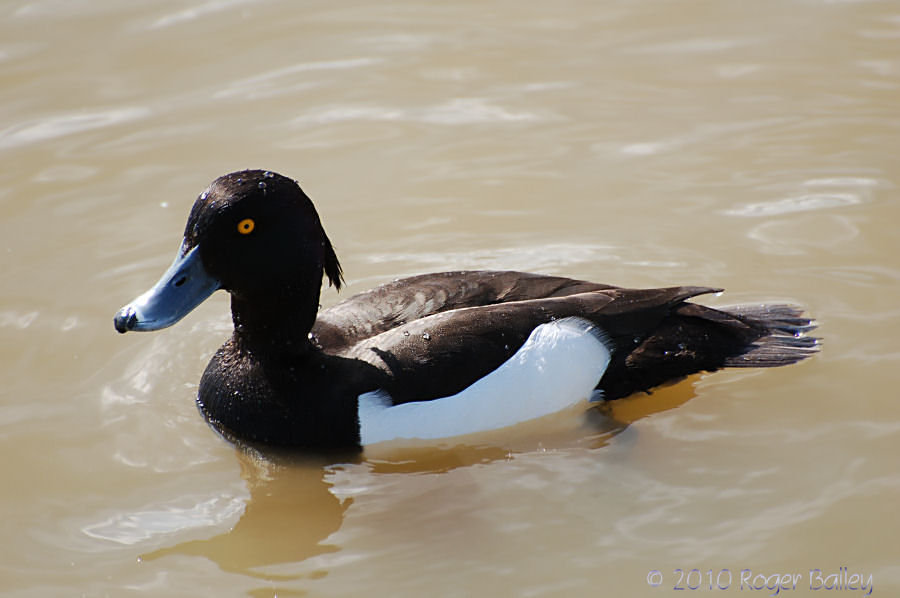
{"x": 430, "y": 356}
{"x": 276, "y": 526}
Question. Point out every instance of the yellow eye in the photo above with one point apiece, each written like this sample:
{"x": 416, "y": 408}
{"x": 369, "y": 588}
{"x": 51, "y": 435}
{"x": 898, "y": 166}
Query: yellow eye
{"x": 246, "y": 226}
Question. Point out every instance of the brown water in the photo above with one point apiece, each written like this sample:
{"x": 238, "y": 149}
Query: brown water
{"x": 749, "y": 145}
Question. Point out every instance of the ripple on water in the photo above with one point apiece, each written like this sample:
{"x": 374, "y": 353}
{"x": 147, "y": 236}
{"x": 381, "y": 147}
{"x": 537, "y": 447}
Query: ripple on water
{"x": 800, "y": 203}
{"x": 66, "y": 173}
{"x": 196, "y": 12}
{"x": 156, "y": 520}
{"x": 529, "y": 257}
{"x": 17, "y": 319}
{"x": 290, "y": 79}
{"x": 797, "y": 236}
{"x": 51, "y": 127}
{"x": 457, "y": 111}
{"x": 818, "y": 194}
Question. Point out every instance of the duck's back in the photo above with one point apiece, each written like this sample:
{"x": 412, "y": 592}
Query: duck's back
{"x": 401, "y": 301}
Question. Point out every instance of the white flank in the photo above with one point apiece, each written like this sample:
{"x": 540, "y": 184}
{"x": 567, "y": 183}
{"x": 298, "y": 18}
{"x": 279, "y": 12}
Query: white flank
{"x": 558, "y": 366}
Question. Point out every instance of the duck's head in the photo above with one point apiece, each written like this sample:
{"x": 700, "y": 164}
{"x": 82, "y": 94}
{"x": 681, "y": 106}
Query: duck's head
{"x": 252, "y": 233}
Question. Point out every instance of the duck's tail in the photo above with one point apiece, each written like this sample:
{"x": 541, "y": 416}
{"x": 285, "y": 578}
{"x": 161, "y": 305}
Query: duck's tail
{"x": 695, "y": 338}
{"x": 784, "y": 340}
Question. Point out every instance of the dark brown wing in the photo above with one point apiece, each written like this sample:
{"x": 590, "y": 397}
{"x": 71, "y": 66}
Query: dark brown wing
{"x": 441, "y": 354}
{"x": 402, "y": 301}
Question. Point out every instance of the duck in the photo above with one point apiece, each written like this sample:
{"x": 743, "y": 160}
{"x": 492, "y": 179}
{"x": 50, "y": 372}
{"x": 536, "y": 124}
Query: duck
{"x": 430, "y": 356}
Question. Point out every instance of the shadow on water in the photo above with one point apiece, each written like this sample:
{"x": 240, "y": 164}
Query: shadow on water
{"x": 292, "y": 509}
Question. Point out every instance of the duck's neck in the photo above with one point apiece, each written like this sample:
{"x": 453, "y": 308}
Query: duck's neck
{"x": 275, "y": 327}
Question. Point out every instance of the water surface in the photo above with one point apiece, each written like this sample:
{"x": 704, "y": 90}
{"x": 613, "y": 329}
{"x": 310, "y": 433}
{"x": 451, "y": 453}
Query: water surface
{"x": 752, "y": 146}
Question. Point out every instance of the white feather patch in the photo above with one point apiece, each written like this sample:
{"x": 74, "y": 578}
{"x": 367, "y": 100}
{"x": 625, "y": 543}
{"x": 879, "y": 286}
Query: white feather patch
{"x": 558, "y": 366}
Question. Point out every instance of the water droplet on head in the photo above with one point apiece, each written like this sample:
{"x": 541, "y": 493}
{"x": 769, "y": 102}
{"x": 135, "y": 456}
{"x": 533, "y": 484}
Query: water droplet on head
{"x": 506, "y": 347}
{"x": 261, "y": 184}
{"x": 426, "y": 336}
{"x": 268, "y": 174}
{"x": 204, "y": 195}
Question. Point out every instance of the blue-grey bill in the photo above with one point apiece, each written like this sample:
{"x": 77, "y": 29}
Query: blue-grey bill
{"x": 184, "y": 286}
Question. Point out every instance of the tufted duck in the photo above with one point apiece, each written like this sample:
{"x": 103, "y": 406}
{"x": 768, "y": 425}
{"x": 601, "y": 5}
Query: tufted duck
{"x": 430, "y": 356}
